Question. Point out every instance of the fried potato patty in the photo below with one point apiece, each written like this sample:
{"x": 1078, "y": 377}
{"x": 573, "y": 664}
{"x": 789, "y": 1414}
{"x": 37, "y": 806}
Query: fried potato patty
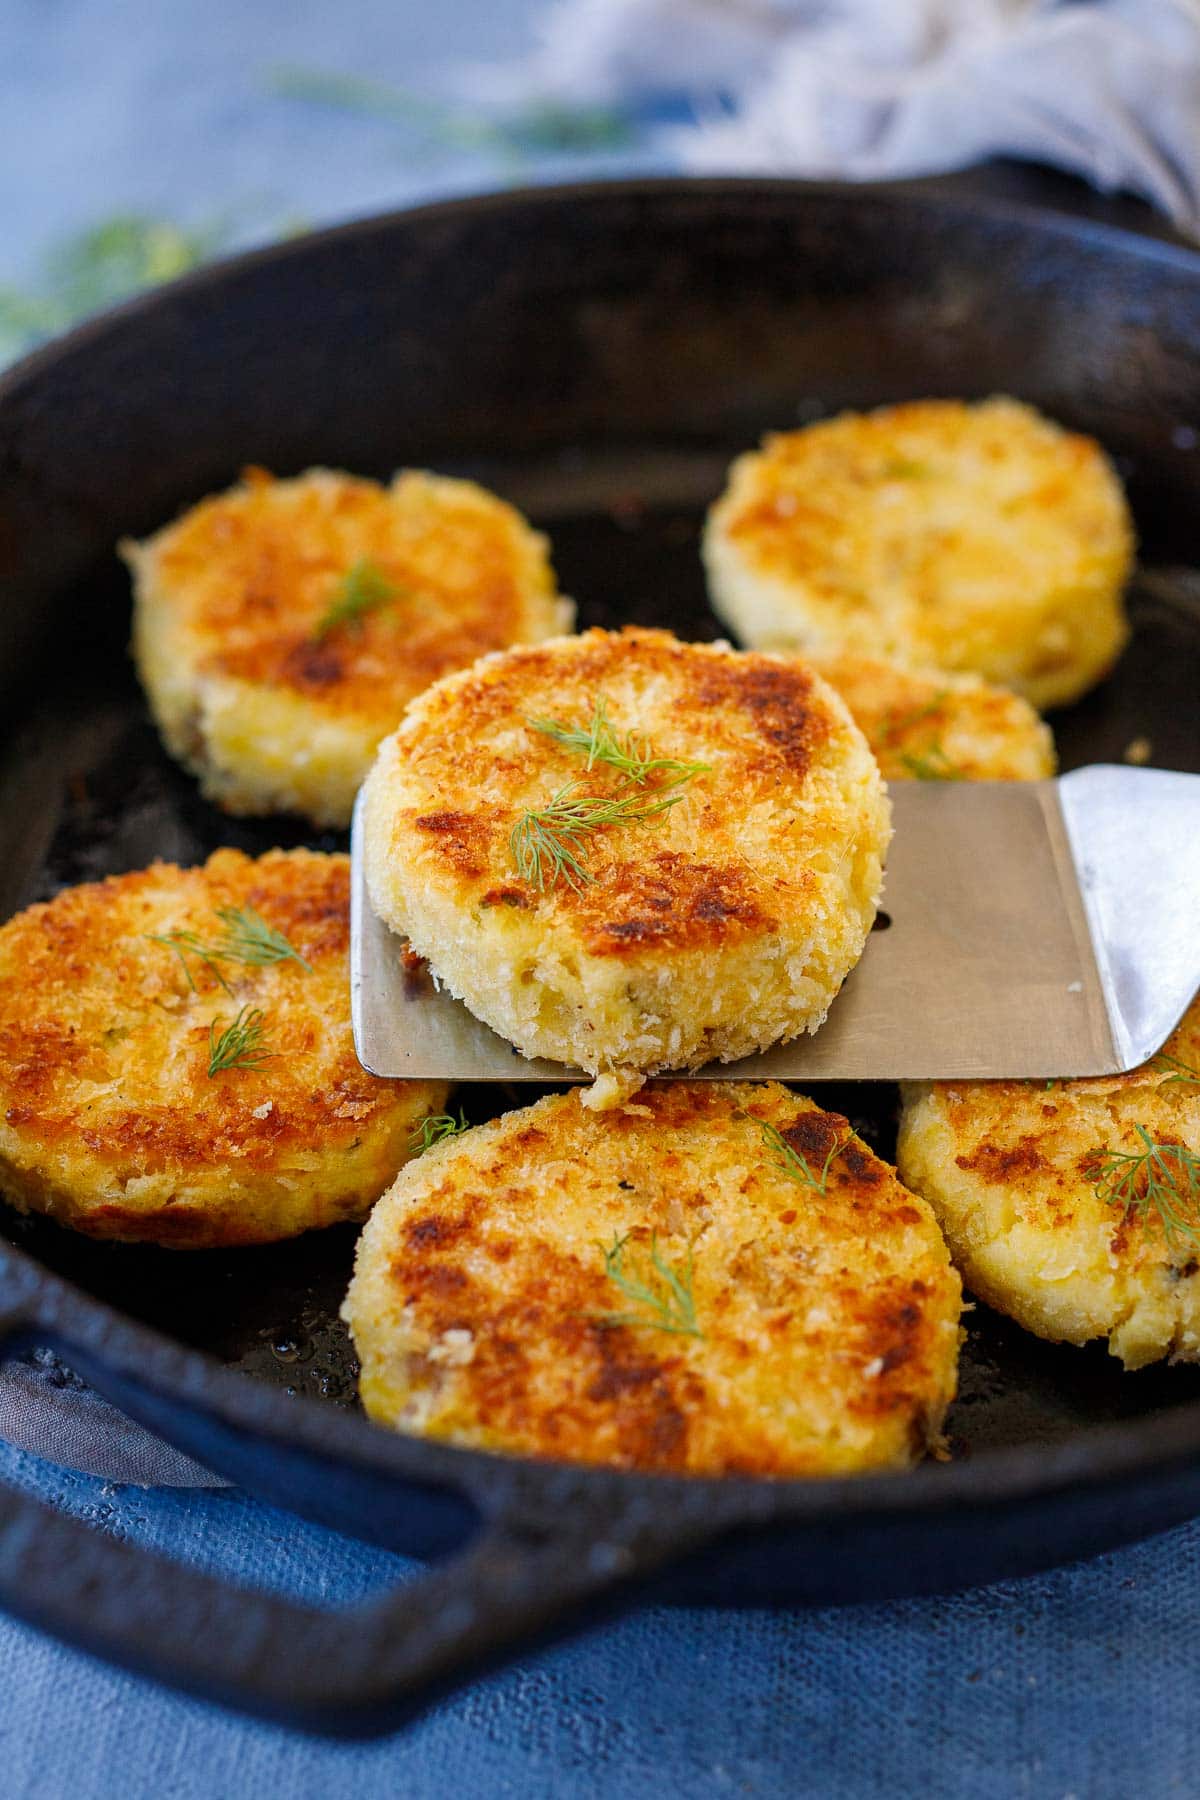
{"x": 113, "y": 1119}
{"x": 933, "y": 725}
{"x": 281, "y": 628}
{"x": 978, "y": 537}
{"x": 1073, "y": 1206}
{"x": 718, "y": 924}
{"x": 651, "y": 1289}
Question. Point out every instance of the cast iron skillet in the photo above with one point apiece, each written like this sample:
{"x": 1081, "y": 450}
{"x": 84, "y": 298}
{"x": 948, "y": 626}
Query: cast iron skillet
{"x": 597, "y": 354}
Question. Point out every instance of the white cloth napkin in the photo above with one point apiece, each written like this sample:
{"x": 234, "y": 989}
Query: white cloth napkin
{"x": 871, "y": 89}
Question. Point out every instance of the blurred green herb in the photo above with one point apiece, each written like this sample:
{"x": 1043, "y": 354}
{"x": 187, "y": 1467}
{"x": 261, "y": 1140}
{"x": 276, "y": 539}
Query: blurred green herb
{"x": 543, "y": 128}
{"x": 896, "y": 724}
{"x": 663, "y": 1295}
{"x": 363, "y": 589}
{"x": 1183, "y": 1072}
{"x": 96, "y": 268}
{"x": 930, "y": 764}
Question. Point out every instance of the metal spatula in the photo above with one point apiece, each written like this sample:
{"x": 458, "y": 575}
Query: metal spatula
{"x": 1035, "y": 929}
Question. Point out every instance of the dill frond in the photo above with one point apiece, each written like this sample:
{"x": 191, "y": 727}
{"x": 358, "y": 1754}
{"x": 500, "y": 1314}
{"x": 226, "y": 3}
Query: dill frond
{"x": 598, "y": 742}
{"x": 793, "y": 1163}
{"x": 549, "y": 843}
{"x": 363, "y": 589}
{"x": 664, "y": 1295}
{"x": 1183, "y": 1073}
{"x": 240, "y": 1045}
{"x": 249, "y": 939}
{"x": 434, "y": 1128}
{"x": 189, "y": 943}
{"x": 1163, "y": 1178}
{"x": 246, "y": 938}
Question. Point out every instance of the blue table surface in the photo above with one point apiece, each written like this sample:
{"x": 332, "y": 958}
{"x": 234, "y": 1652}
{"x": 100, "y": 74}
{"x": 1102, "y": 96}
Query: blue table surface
{"x": 1082, "y": 1682}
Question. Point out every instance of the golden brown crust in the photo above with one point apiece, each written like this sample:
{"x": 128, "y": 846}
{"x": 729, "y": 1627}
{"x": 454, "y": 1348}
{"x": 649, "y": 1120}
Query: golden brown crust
{"x": 1012, "y": 1170}
{"x": 249, "y": 689}
{"x": 256, "y": 568}
{"x": 109, "y": 1119}
{"x": 760, "y": 721}
{"x": 979, "y": 537}
{"x": 482, "y": 1310}
{"x": 935, "y": 725}
{"x": 772, "y": 853}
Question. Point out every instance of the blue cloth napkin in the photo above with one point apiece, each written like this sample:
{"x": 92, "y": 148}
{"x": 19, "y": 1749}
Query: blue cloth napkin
{"x": 1080, "y": 1683}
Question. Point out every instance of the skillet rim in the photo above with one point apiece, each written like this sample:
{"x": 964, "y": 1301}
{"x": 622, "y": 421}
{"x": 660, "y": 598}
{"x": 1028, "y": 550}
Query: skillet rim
{"x": 924, "y": 192}
{"x": 1097, "y": 1455}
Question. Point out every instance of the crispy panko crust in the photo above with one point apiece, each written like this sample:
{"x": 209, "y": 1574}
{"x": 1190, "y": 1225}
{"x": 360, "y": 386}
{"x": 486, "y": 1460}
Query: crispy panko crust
{"x": 828, "y": 1322}
{"x": 1012, "y": 1169}
{"x": 711, "y": 930}
{"x": 272, "y": 713}
{"x": 980, "y": 537}
{"x": 934, "y": 725}
{"x": 109, "y": 1120}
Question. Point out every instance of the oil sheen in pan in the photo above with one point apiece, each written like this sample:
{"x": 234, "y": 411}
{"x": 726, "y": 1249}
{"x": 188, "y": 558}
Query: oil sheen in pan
{"x": 109, "y": 799}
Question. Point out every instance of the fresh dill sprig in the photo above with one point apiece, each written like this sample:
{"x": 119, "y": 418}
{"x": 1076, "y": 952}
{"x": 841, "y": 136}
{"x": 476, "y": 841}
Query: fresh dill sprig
{"x": 240, "y": 1045}
{"x": 548, "y": 843}
{"x": 598, "y": 742}
{"x": 246, "y": 938}
{"x": 667, "y": 1303}
{"x": 791, "y": 1162}
{"x": 1163, "y": 1178}
{"x": 249, "y": 939}
{"x": 1183, "y": 1072}
{"x": 363, "y": 589}
{"x": 434, "y": 1128}
{"x": 190, "y": 943}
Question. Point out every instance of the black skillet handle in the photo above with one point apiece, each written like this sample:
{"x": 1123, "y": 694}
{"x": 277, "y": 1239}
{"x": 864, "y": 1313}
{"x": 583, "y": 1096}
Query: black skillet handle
{"x": 352, "y": 1672}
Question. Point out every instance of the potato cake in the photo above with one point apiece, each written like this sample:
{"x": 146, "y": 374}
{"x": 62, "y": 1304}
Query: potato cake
{"x": 717, "y": 1279}
{"x": 980, "y": 537}
{"x": 630, "y": 853}
{"x": 934, "y": 725}
{"x": 281, "y": 628}
{"x": 176, "y": 1065}
{"x": 1073, "y": 1206}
